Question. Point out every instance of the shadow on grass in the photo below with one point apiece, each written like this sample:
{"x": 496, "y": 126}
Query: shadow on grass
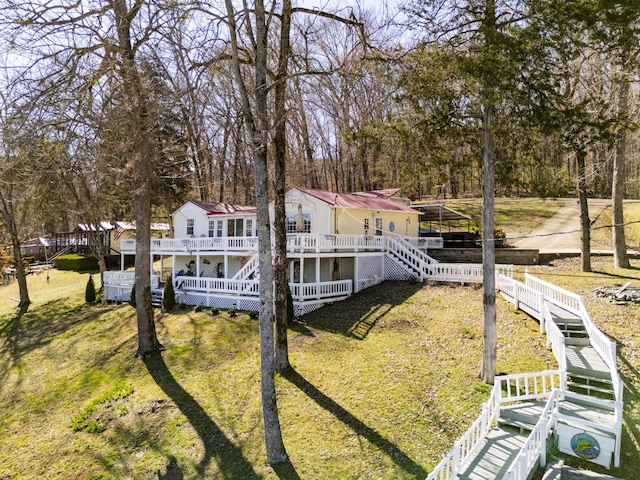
{"x": 25, "y": 331}
{"x": 616, "y": 275}
{"x": 359, "y": 314}
{"x": 286, "y": 471}
{"x": 228, "y": 456}
{"x": 400, "y": 458}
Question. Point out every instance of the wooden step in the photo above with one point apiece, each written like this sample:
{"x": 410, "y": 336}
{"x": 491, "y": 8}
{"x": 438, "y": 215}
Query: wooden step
{"x": 523, "y": 416}
{"x": 578, "y": 410}
{"x": 576, "y": 341}
{"x": 584, "y": 361}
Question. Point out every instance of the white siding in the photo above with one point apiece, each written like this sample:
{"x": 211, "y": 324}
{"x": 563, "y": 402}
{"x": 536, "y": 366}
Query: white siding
{"x": 320, "y": 212}
{"x": 201, "y": 221}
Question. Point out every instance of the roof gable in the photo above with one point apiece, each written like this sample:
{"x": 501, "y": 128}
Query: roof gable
{"x": 221, "y": 208}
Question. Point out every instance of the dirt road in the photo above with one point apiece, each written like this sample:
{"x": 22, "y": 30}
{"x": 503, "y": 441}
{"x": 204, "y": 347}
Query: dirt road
{"x": 561, "y": 233}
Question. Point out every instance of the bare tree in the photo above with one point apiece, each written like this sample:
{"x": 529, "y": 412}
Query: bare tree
{"x": 255, "y": 115}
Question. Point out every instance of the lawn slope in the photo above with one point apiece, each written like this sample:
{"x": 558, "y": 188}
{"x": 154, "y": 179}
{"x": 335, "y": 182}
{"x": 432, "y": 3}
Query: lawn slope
{"x": 381, "y": 387}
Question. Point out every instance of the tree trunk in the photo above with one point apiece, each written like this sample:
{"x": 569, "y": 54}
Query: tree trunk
{"x": 8, "y": 215}
{"x": 620, "y": 257}
{"x": 488, "y": 247}
{"x": 585, "y": 225}
{"x": 257, "y": 126}
{"x": 280, "y": 151}
{"x": 140, "y": 168}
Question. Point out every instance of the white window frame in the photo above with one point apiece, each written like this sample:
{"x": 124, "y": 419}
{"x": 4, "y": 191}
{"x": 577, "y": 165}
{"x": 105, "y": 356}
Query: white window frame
{"x": 378, "y": 225}
{"x": 191, "y": 227}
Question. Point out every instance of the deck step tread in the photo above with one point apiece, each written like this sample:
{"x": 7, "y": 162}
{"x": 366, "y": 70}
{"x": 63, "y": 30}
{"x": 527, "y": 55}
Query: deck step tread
{"x": 586, "y": 359}
{"x": 494, "y": 456}
{"x": 591, "y": 413}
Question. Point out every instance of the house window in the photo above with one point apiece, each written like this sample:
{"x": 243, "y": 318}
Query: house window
{"x": 212, "y": 228}
{"x": 378, "y": 223}
{"x": 190, "y": 226}
{"x": 366, "y": 226}
{"x": 248, "y": 227}
{"x": 292, "y": 223}
{"x": 219, "y": 228}
{"x": 235, "y": 227}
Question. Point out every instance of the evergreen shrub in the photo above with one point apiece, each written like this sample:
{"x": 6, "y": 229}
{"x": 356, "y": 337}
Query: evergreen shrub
{"x": 76, "y": 263}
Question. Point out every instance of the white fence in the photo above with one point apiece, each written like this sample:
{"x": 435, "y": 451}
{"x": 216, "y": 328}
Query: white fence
{"x": 525, "y": 296}
{"x": 507, "y": 388}
{"x": 296, "y": 243}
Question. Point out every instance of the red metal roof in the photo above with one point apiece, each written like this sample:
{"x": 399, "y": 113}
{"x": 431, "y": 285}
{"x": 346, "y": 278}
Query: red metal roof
{"x": 374, "y": 200}
{"x": 223, "y": 208}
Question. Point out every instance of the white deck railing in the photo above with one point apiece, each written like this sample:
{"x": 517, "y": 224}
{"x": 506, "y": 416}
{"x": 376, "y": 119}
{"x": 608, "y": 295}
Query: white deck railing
{"x": 305, "y": 242}
{"x": 516, "y": 388}
{"x": 534, "y": 451}
{"x": 575, "y": 304}
{"x": 316, "y": 291}
{"x": 296, "y": 243}
{"x": 555, "y": 338}
{"x": 606, "y": 348}
{"x": 426, "y": 243}
{"x": 224, "y": 286}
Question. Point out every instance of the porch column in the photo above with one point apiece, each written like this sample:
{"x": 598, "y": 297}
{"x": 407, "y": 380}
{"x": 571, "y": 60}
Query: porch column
{"x": 301, "y": 270}
{"x": 173, "y": 267}
{"x": 318, "y": 276}
{"x": 197, "y": 265}
{"x": 226, "y": 266}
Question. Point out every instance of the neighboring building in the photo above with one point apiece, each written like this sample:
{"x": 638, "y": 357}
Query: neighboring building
{"x": 337, "y": 244}
{"x": 109, "y": 235}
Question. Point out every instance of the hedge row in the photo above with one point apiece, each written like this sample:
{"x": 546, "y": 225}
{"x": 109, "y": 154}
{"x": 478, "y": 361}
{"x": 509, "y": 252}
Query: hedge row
{"x": 76, "y": 263}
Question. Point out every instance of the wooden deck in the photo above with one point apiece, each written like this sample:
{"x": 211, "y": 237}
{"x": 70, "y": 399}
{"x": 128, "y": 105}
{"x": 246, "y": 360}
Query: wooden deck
{"x": 495, "y": 456}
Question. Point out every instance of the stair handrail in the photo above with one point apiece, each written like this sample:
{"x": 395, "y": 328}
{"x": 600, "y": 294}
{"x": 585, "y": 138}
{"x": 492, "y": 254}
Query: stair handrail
{"x": 574, "y": 303}
{"x": 606, "y": 348}
{"x": 247, "y": 269}
{"x": 535, "y": 385}
{"x": 555, "y": 339}
{"x": 449, "y": 466}
{"x": 413, "y": 249}
{"x": 408, "y": 256}
{"x": 552, "y": 293}
{"x": 534, "y": 449}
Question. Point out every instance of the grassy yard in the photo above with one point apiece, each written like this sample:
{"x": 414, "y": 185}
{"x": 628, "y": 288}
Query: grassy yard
{"x": 512, "y": 215}
{"x": 381, "y": 385}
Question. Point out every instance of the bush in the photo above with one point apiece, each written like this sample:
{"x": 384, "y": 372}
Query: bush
{"x": 168, "y": 295}
{"x": 90, "y": 291}
{"x": 76, "y": 263}
{"x": 132, "y": 298}
{"x": 291, "y": 316}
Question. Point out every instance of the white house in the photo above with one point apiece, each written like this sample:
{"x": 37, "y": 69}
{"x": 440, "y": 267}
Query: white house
{"x": 337, "y": 244}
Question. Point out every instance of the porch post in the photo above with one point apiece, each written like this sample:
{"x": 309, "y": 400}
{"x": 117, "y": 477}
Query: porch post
{"x": 226, "y": 266}
{"x": 197, "y": 265}
{"x": 318, "y": 276}
{"x": 301, "y": 279}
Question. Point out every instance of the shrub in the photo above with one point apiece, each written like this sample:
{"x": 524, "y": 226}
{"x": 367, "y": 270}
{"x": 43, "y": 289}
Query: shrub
{"x": 76, "y": 263}
{"x": 132, "y": 298}
{"x": 90, "y": 291}
{"x": 169, "y": 295}
{"x": 290, "y": 311}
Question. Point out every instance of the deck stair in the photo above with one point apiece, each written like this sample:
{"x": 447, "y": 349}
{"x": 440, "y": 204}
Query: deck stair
{"x": 156, "y": 298}
{"x": 581, "y": 401}
{"x": 523, "y": 416}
